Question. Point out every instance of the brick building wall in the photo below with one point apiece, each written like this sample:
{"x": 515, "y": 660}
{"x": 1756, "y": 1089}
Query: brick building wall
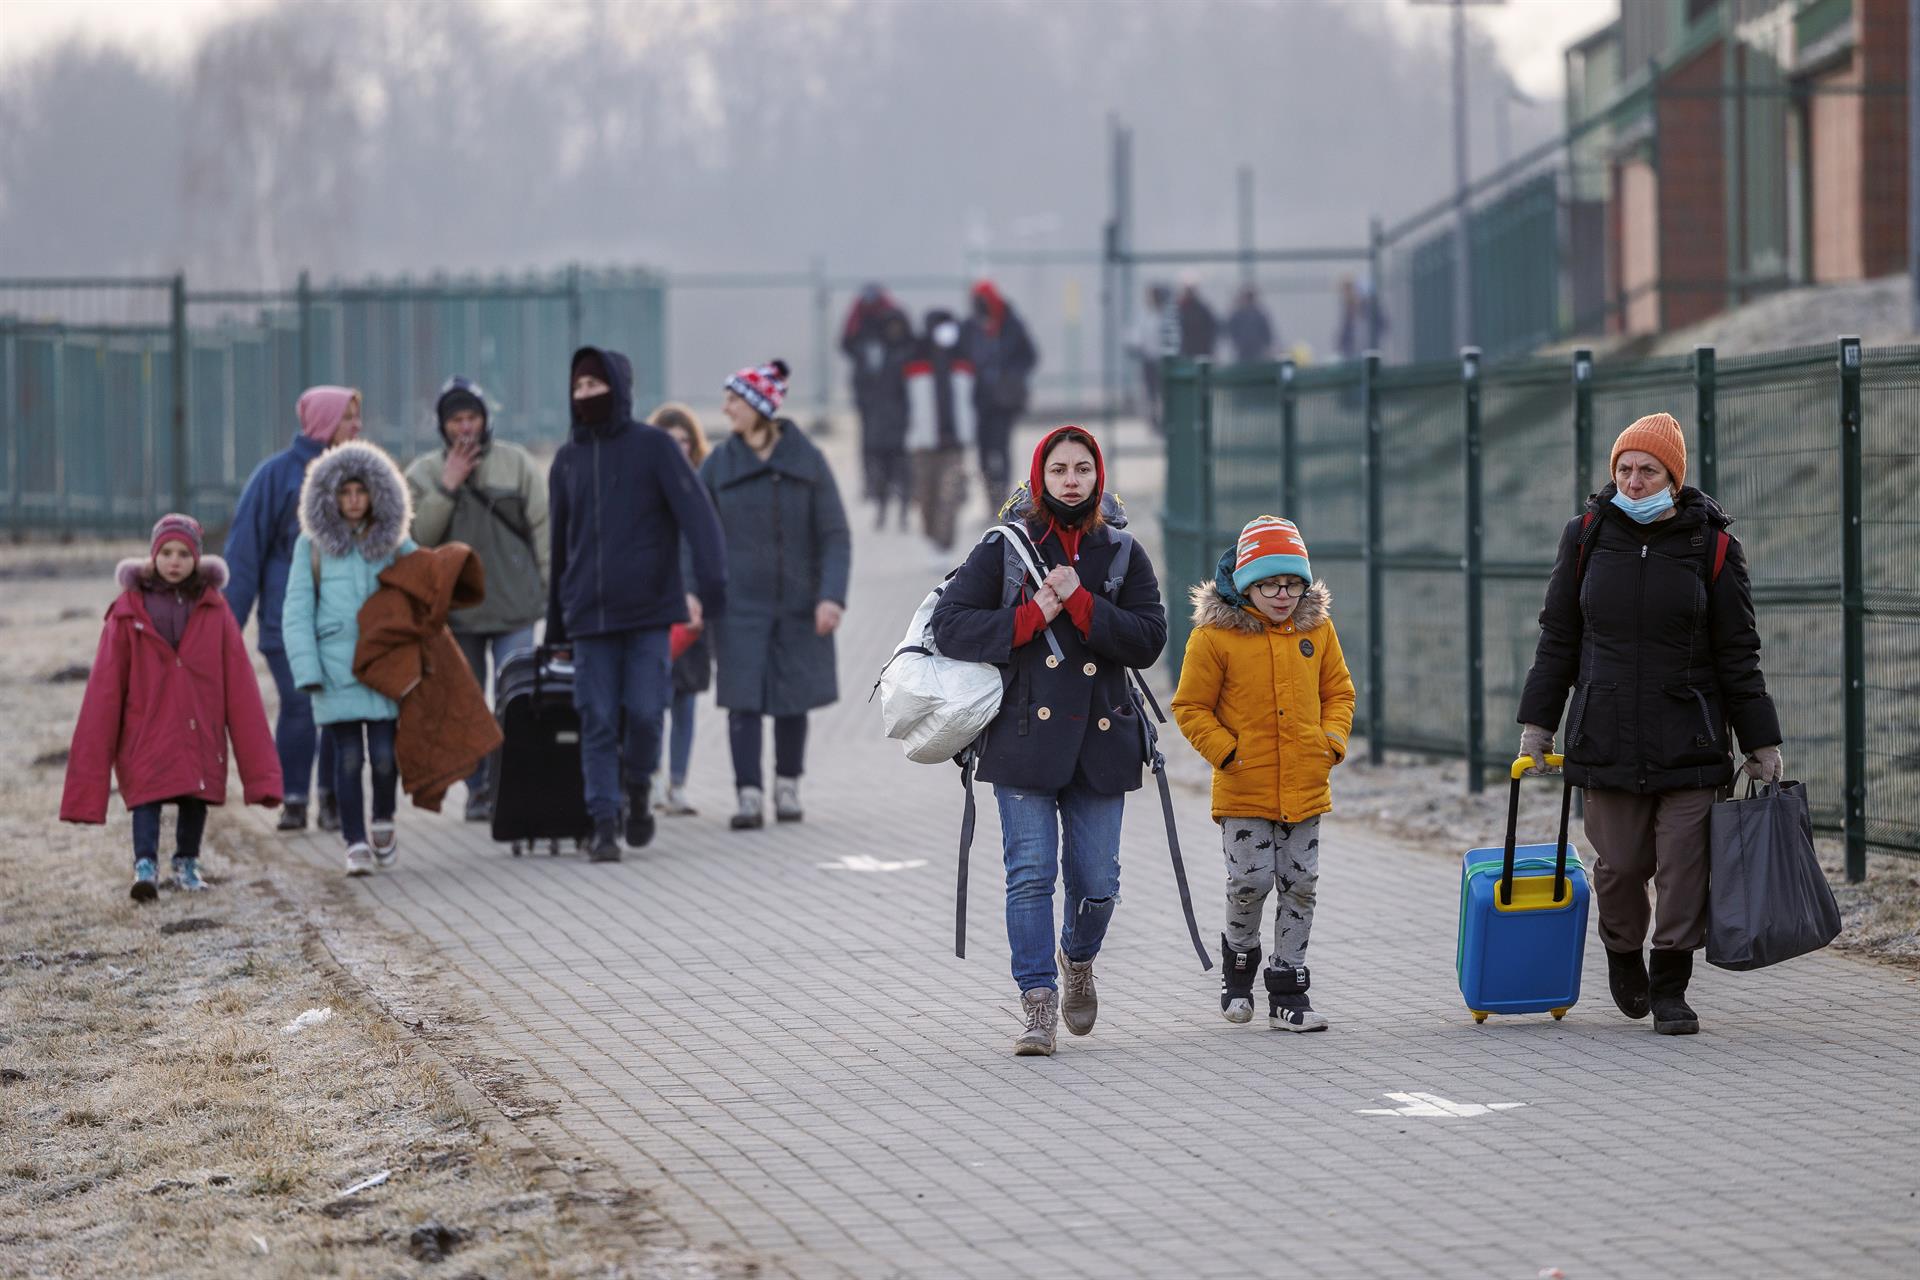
{"x": 1692, "y": 236}
{"x": 1881, "y": 56}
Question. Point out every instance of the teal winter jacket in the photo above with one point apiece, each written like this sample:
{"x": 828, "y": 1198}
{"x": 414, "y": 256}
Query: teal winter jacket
{"x": 320, "y": 619}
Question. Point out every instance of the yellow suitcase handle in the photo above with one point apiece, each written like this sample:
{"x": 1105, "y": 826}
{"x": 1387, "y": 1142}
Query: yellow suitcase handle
{"x": 1523, "y": 763}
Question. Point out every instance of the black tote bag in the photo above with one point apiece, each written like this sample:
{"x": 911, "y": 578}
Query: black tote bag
{"x": 1767, "y": 898}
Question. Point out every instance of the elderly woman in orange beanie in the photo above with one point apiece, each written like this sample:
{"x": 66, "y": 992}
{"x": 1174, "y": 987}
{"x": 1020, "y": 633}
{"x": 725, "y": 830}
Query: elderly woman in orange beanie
{"x": 1649, "y": 625}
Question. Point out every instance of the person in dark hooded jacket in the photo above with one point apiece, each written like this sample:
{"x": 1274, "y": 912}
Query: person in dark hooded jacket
{"x": 878, "y": 339}
{"x": 995, "y": 342}
{"x": 1067, "y": 744}
{"x": 621, "y": 497}
{"x": 1649, "y": 622}
{"x": 490, "y": 495}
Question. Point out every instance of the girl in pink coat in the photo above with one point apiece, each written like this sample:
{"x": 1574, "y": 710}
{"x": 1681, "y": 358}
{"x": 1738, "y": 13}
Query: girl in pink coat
{"x": 171, "y": 684}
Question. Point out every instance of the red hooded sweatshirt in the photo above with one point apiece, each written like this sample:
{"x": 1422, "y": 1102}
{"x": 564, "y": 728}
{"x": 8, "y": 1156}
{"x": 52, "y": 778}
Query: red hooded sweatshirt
{"x": 1028, "y": 620}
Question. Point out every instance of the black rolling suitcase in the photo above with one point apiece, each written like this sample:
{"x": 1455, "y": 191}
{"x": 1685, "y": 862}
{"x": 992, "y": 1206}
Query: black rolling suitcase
{"x": 539, "y": 794}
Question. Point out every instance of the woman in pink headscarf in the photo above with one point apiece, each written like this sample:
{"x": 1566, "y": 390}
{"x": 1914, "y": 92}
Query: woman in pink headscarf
{"x": 259, "y": 552}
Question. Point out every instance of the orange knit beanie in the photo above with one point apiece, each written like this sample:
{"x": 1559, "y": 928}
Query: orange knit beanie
{"x": 1659, "y": 435}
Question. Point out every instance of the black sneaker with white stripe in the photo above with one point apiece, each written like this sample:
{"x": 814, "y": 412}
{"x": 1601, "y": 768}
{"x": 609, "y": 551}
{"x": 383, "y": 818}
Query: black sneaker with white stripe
{"x": 1288, "y": 1008}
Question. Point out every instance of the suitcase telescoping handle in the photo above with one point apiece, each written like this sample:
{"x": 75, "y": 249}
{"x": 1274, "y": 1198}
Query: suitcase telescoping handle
{"x": 1520, "y": 767}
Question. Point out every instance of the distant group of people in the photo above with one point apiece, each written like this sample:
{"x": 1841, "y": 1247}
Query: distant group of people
{"x": 636, "y": 529}
{"x": 928, "y": 395}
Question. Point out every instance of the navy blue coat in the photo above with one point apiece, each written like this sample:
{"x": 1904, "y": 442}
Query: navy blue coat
{"x": 788, "y": 548}
{"x": 620, "y": 497}
{"x": 1074, "y": 720}
{"x": 260, "y": 544}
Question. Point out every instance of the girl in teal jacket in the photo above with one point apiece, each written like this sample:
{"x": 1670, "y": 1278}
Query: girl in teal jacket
{"x": 354, "y": 515}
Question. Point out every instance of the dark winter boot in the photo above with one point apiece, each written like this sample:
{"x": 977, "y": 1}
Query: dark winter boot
{"x": 329, "y": 819}
{"x": 1627, "y": 979}
{"x": 1237, "y": 969}
{"x": 606, "y": 841}
{"x": 640, "y": 825}
{"x": 1668, "y": 974}
{"x": 293, "y": 816}
{"x": 1288, "y": 1008}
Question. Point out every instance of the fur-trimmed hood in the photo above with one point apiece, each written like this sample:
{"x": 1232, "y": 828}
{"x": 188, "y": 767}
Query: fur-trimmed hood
{"x": 1211, "y": 609}
{"x": 130, "y": 575}
{"x": 392, "y": 512}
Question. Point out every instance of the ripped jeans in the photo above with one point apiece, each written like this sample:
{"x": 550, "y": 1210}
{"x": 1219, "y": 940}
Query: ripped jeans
{"x": 1031, "y": 827}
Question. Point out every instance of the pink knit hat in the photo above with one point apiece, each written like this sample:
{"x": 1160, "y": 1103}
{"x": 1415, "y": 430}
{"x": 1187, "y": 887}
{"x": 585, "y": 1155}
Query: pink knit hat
{"x": 321, "y": 409}
{"x": 763, "y": 388}
{"x": 175, "y": 527}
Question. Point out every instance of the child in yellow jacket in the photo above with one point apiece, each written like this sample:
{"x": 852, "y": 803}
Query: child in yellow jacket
{"x": 1266, "y": 697}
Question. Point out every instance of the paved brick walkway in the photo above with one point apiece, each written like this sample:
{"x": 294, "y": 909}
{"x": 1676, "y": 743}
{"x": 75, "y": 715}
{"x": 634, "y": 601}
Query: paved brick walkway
{"x": 787, "y": 1053}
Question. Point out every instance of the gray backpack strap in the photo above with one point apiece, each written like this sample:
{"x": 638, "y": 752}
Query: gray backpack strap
{"x": 1117, "y": 569}
{"x": 1019, "y": 561}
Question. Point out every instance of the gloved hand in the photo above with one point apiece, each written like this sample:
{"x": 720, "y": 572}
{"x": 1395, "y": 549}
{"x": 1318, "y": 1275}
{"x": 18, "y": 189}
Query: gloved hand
{"x": 1766, "y": 765}
{"x": 1538, "y": 743}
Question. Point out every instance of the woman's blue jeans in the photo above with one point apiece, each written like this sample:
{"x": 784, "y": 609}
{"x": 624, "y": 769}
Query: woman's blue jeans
{"x": 357, "y": 743}
{"x": 680, "y": 742}
{"x": 1032, "y": 827}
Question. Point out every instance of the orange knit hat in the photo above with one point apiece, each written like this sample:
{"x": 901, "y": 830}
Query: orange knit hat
{"x": 1659, "y": 435}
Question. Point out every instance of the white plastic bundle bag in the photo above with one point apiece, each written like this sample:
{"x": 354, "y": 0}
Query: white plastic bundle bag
{"x": 933, "y": 704}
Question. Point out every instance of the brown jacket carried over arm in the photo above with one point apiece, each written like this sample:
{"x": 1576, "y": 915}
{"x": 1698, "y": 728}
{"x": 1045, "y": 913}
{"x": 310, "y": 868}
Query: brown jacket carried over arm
{"x": 407, "y": 653}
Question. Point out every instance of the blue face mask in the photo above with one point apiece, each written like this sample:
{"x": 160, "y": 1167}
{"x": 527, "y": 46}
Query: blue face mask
{"x": 1648, "y": 509}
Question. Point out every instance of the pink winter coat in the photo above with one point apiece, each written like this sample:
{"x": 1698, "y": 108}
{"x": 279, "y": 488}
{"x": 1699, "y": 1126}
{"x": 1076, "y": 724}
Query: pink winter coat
{"x": 160, "y": 719}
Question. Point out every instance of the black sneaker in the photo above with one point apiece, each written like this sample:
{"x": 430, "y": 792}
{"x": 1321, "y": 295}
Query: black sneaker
{"x": 640, "y": 823}
{"x": 606, "y": 842}
{"x": 293, "y": 816}
{"x": 329, "y": 816}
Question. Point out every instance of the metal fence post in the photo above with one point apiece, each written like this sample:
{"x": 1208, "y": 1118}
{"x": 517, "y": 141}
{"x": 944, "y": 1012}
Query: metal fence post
{"x": 1704, "y": 418}
{"x": 1376, "y": 247}
{"x": 1376, "y": 602}
{"x": 1582, "y": 425}
{"x": 1473, "y": 565}
{"x": 1853, "y": 596}
{"x": 181, "y": 474}
{"x": 822, "y": 345}
{"x": 304, "y": 310}
{"x": 1209, "y": 481}
{"x": 573, "y": 309}
{"x": 1289, "y": 441}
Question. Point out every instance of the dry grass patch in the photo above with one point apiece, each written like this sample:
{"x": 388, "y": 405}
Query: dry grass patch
{"x": 156, "y": 1118}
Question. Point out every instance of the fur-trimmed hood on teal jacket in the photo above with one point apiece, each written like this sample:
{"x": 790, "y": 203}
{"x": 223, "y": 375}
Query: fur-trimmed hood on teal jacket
{"x": 336, "y": 567}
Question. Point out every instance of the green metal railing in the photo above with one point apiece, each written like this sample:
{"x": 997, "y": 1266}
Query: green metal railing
{"x": 1433, "y": 496}
{"x": 120, "y": 399}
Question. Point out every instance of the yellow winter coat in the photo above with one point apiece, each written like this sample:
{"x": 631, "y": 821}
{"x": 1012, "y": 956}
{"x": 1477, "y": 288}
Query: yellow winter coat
{"x": 1270, "y": 707}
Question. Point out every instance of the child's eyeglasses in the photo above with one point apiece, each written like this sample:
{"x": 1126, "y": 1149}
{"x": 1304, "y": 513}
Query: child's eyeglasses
{"x": 1273, "y": 589}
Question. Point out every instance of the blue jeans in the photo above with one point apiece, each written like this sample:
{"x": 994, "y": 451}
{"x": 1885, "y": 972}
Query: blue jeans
{"x": 474, "y": 649}
{"x": 349, "y": 754}
{"x": 294, "y": 735}
{"x": 680, "y": 743}
{"x": 186, "y": 833}
{"x": 630, "y": 673}
{"x": 1031, "y": 824}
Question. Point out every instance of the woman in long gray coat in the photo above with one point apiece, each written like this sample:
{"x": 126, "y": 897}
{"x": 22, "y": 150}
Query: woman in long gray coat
{"x": 789, "y": 551}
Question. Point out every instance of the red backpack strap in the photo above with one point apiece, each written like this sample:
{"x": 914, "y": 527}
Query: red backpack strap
{"x": 1721, "y": 541}
{"x": 1580, "y": 558}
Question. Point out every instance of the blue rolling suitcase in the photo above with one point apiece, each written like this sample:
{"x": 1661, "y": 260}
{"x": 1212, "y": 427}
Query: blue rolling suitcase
{"x": 1523, "y": 919}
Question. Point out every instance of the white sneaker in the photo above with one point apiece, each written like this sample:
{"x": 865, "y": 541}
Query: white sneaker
{"x": 386, "y": 842}
{"x": 677, "y": 804}
{"x": 359, "y": 860}
{"x": 786, "y": 800}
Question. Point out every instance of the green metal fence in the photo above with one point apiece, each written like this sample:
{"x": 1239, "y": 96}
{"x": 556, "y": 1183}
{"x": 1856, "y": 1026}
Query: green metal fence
{"x": 1433, "y": 496}
{"x": 118, "y": 397}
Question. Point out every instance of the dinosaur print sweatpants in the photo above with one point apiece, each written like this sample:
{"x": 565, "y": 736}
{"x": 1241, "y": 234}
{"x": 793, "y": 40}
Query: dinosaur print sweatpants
{"x": 1281, "y": 858}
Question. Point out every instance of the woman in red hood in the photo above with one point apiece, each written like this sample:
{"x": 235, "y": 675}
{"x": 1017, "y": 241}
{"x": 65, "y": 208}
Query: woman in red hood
{"x": 995, "y": 342}
{"x": 1068, "y": 743}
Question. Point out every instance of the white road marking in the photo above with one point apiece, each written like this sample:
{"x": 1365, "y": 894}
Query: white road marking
{"x": 1428, "y": 1104}
{"x": 862, "y": 862}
